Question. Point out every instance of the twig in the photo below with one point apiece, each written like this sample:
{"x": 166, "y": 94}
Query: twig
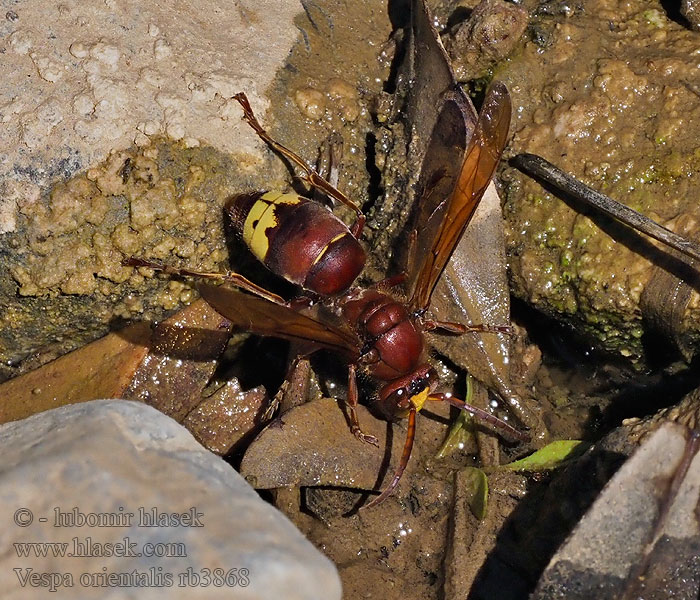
{"x": 541, "y": 169}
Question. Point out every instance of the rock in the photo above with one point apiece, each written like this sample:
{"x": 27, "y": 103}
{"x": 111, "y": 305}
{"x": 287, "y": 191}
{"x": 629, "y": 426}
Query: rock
{"x": 311, "y": 445}
{"x": 228, "y": 418}
{"x": 583, "y": 102}
{"x": 491, "y": 33}
{"x": 640, "y": 537}
{"x": 167, "y": 367}
{"x": 686, "y": 412}
{"x": 96, "y": 78}
{"x": 182, "y": 356}
{"x": 67, "y": 468}
{"x": 101, "y": 369}
{"x": 690, "y": 9}
{"x": 119, "y": 137}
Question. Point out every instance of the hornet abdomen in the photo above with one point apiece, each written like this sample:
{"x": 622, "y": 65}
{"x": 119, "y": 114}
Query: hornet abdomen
{"x": 298, "y": 239}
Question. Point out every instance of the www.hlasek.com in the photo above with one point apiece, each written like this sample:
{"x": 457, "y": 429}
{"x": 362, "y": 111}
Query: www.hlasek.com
{"x": 88, "y": 548}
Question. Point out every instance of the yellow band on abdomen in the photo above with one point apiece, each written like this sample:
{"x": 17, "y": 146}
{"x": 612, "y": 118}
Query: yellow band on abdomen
{"x": 262, "y": 216}
{"x": 325, "y": 248}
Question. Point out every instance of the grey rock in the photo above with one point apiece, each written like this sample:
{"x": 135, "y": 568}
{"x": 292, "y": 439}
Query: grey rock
{"x": 65, "y": 470}
{"x": 641, "y": 536}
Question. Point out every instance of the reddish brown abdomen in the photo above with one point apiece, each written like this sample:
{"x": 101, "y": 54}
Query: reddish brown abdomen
{"x": 298, "y": 239}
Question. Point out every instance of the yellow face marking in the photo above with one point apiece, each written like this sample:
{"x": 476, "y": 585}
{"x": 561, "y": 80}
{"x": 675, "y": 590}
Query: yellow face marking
{"x": 419, "y": 399}
{"x": 325, "y": 249}
{"x": 262, "y": 216}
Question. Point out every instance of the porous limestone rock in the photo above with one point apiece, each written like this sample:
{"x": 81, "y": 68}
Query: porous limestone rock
{"x": 79, "y": 80}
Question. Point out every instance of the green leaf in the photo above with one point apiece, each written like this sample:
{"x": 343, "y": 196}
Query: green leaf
{"x": 458, "y": 436}
{"x": 476, "y": 490}
{"x": 460, "y": 432}
{"x": 549, "y": 457}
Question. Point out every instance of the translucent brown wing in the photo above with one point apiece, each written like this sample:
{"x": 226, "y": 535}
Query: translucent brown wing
{"x": 263, "y": 317}
{"x": 440, "y": 167}
{"x": 480, "y": 161}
